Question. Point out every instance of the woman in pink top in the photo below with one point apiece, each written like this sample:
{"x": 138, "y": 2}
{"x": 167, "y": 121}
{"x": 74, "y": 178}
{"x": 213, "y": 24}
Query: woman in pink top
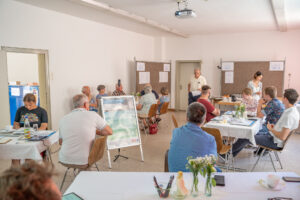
{"x": 249, "y": 101}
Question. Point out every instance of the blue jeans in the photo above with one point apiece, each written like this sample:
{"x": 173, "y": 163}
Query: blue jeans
{"x": 266, "y": 140}
{"x": 264, "y": 130}
{"x": 193, "y": 98}
{"x": 239, "y": 145}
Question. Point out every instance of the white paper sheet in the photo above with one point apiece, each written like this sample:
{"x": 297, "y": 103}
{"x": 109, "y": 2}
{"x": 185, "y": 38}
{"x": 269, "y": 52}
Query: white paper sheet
{"x": 227, "y": 66}
{"x": 140, "y": 66}
{"x": 15, "y": 91}
{"x": 276, "y": 66}
{"x": 144, "y": 77}
{"x": 166, "y": 67}
{"x": 228, "y": 77}
{"x": 163, "y": 77}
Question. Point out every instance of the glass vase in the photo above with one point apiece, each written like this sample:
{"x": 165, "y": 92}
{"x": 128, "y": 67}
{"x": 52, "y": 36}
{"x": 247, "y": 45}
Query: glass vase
{"x": 194, "y": 190}
{"x": 208, "y": 185}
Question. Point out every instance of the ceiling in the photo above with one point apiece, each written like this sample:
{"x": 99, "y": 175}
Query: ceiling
{"x": 213, "y": 16}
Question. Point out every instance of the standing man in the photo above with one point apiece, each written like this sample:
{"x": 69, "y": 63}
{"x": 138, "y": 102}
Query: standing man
{"x": 195, "y": 84}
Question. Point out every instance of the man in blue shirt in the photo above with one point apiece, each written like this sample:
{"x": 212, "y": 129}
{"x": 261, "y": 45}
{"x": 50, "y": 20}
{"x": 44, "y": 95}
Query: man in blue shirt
{"x": 190, "y": 140}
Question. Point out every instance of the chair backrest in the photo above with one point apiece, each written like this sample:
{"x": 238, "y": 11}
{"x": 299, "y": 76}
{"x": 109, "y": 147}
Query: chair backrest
{"x": 291, "y": 133}
{"x": 164, "y": 108}
{"x": 166, "y": 161}
{"x": 174, "y": 121}
{"x": 97, "y": 150}
{"x": 216, "y": 133}
{"x": 152, "y": 110}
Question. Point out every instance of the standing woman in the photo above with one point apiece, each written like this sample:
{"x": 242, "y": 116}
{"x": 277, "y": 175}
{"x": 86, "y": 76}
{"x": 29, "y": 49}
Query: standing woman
{"x": 256, "y": 85}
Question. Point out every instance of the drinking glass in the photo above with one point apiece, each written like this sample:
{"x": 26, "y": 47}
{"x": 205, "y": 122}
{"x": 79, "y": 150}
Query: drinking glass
{"x": 35, "y": 127}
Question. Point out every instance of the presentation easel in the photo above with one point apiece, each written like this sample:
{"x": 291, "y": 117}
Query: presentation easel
{"x": 121, "y": 115}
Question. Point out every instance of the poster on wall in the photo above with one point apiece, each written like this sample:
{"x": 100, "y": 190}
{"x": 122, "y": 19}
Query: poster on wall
{"x": 276, "y": 66}
{"x": 227, "y": 66}
{"x": 120, "y": 114}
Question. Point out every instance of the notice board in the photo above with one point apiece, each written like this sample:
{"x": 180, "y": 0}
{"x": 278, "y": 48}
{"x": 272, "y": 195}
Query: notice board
{"x": 158, "y": 74}
{"x": 242, "y": 72}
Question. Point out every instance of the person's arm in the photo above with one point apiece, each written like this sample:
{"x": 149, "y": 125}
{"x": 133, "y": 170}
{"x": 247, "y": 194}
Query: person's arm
{"x": 281, "y": 135}
{"x": 216, "y": 112}
{"x": 17, "y": 119}
{"x": 44, "y": 120}
{"x": 16, "y": 125}
{"x": 105, "y": 131}
{"x": 259, "y": 107}
{"x": 60, "y": 141}
{"x": 189, "y": 87}
{"x": 139, "y": 106}
{"x": 211, "y": 109}
{"x": 43, "y": 126}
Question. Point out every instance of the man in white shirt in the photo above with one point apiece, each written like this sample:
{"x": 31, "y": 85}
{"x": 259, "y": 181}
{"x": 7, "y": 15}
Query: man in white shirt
{"x": 288, "y": 122}
{"x": 195, "y": 84}
{"x": 77, "y": 131}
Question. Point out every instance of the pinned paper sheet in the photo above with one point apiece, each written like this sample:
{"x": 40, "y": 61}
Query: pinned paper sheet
{"x": 227, "y": 66}
{"x": 166, "y": 67}
{"x": 276, "y": 66}
{"x": 228, "y": 77}
{"x": 15, "y": 91}
{"x": 144, "y": 77}
{"x": 163, "y": 77}
{"x": 140, "y": 66}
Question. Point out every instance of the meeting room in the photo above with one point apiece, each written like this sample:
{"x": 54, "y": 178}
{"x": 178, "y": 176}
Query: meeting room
{"x": 142, "y": 100}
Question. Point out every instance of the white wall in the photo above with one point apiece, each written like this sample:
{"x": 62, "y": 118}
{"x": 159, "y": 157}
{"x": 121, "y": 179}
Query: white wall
{"x": 81, "y": 52}
{"x": 22, "y": 67}
{"x": 237, "y": 47}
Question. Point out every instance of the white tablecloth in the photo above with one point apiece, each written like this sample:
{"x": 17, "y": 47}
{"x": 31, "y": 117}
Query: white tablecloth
{"x": 246, "y": 132}
{"x": 92, "y": 185}
{"x": 22, "y": 149}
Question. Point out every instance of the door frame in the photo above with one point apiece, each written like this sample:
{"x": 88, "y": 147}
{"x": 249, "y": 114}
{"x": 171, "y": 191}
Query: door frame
{"x": 177, "y": 77}
{"x": 47, "y": 75}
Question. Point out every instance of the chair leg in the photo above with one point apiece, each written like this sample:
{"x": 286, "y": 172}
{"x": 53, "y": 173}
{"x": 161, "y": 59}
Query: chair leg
{"x": 278, "y": 159}
{"x": 263, "y": 151}
{"x": 63, "y": 181}
{"x": 272, "y": 162}
{"x": 97, "y": 166}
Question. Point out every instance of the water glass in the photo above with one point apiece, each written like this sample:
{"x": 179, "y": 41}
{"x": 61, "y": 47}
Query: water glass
{"x": 35, "y": 127}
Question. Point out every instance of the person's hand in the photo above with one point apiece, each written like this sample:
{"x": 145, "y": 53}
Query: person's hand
{"x": 260, "y": 115}
{"x": 261, "y": 101}
{"x": 270, "y": 126}
{"x": 258, "y": 93}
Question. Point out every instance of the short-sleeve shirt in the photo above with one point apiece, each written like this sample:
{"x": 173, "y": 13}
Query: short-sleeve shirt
{"x": 35, "y": 116}
{"x": 289, "y": 119}
{"x": 255, "y": 89}
{"x": 209, "y": 109}
{"x": 273, "y": 111}
{"x": 146, "y": 100}
{"x": 98, "y": 97}
{"x": 153, "y": 91}
{"x": 189, "y": 140}
{"x": 197, "y": 83}
{"x": 251, "y": 105}
{"x": 118, "y": 93}
{"x": 77, "y": 131}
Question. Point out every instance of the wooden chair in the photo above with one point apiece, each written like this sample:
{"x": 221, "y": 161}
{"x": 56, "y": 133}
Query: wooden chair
{"x": 166, "y": 161}
{"x": 164, "y": 108}
{"x": 150, "y": 116}
{"x": 96, "y": 154}
{"x": 272, "y": 150}
{"x": 174, "y": 121}
{"x": 222, "y": 149}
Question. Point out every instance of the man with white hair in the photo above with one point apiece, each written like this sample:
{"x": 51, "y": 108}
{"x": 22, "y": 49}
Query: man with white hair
{"x": 195, "y": 84}
{"x": 77, "y": 132}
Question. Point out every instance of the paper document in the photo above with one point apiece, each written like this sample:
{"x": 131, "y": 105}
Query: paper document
{"x": 15, "y": 91}
{"x": 227, "y": 66}
{"x": 167, "y": 67}
{"x": 163, "y": 77}
{"x": 144, "y": 77}
{"x": 276, "y": 66}
{"x": 228, "y": 77}
{"x": 140, "y": 66}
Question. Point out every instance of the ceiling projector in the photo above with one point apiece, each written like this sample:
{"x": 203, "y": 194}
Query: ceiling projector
{"x": 184, "y": 13}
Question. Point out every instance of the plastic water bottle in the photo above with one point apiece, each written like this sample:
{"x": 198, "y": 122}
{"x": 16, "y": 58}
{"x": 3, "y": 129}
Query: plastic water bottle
{"x": 26, "y": 128}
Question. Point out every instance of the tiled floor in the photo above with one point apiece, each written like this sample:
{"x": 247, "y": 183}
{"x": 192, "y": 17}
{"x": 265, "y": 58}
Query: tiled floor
{"x": 155, "y": 146}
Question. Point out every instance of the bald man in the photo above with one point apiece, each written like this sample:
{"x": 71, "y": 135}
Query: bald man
{"x": 195, "y": 85}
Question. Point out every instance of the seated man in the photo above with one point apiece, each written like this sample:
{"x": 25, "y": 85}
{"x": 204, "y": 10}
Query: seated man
{"x": 28, "y": 181}
{"x": 118, "y": 91}
{"x": 273, "y": 110}
{"x": 154, "y": 92}
{"x": 77, "y": 132}
{"x": 211, "y": 111}
{"x": 190, "y": 140}
{"x": 277, "y": 134}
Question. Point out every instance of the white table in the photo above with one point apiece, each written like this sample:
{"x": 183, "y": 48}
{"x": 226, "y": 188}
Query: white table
{"x": 237, "y": 131}
{"x": 23, "y": 149}
{"x": 92, "y": 185}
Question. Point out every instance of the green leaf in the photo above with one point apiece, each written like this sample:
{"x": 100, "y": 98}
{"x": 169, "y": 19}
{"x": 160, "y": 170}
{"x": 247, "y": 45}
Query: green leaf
{"x": 213, "y": 182}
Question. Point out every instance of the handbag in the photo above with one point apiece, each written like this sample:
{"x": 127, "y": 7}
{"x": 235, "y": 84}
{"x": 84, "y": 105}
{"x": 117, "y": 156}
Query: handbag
{"x": 153, "y": 129}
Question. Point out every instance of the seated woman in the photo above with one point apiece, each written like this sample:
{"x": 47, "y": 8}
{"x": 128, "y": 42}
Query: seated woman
{"x": 190, "y": 140}
{"x": 164, "y": 97}
{"x": 145, "y": 103}
{"x": 250, "y": 102}
{"x": 34, "y": 113}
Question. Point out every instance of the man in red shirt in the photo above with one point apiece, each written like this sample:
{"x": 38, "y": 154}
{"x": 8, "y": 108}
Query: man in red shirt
{"x": 211, "y": 111}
